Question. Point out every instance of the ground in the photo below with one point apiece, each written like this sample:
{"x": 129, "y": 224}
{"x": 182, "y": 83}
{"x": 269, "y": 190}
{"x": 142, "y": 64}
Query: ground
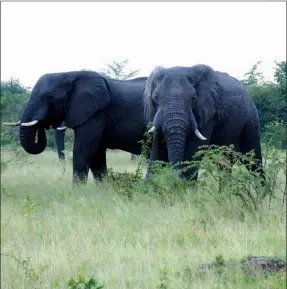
{"x": 138, "y": 243}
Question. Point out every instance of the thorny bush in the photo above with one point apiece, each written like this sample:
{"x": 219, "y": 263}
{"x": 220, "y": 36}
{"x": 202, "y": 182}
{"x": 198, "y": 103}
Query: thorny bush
{"x": 218, "y": 177}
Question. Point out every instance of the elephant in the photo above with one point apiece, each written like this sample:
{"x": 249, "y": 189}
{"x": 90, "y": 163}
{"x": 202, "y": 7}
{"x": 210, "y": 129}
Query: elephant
{"x": 60, "y": 142}
{"x": 104, "y": 114}
{"x": 193, "y": 106}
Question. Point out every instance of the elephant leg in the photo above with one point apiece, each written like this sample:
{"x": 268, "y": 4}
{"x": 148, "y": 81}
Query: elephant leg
{"x": 250, "y": 140}
{"x": 60, "y": 142}
{"x": 80, "y": 167}
{"x": 158, "y": 153}
{"x": 190, "y": 171}
{"x": 61, "y": 155}
{"x": 98, "y": 164}
{"x": 87, "y": 142}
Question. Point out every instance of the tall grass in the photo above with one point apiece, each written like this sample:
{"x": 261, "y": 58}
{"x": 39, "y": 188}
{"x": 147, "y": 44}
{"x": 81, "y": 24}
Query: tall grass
{"x": 154, "y": 236}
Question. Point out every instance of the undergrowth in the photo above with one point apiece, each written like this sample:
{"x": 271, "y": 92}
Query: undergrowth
{"x": 233, "y": 197}
{"x": 218, "y": 178}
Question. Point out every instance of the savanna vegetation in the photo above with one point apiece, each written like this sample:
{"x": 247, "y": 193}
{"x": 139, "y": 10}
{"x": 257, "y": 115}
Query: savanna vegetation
{"x": 127, "y": 232}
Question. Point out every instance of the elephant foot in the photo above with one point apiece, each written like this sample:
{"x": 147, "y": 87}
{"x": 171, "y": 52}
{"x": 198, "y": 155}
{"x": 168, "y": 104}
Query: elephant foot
{"x": 99, "y": 176}
{"x": 148, "y": 176}
{"x": 61, "y": 155}
{"x": 79, "y": 180}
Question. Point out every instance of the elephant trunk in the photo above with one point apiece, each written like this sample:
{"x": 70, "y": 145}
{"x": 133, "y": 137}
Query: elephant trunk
{"x": 28, "y": 133}
{"x": 175, "y": 146}
{"x": 176, "y": 130}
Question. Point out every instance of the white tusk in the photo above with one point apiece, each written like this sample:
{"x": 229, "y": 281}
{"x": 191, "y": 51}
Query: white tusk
{"x": 31, "y": 123}
{"x": 153, "y": 129}
{"x": 199, "y": 135}
{"x": 12, "y": 123}
{"x": 61, "y": 128}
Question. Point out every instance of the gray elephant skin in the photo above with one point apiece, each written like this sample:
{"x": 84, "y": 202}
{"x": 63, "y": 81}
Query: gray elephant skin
{"x": 103, "y": 113}
{"x": 194, "y": 106}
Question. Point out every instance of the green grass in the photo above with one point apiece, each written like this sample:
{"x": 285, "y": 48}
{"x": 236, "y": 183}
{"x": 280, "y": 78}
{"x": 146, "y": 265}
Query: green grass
{"x": 138, "y": 243}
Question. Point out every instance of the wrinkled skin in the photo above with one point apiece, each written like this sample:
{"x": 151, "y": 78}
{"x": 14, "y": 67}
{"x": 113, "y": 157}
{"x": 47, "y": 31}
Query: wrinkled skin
{"x": 179, "y": 100}
{"x": 103, "y": 113}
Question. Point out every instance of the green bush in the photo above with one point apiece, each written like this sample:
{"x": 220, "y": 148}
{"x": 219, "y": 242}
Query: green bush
{"x": 274, "y": 135}
{"x": 237, "y": 185}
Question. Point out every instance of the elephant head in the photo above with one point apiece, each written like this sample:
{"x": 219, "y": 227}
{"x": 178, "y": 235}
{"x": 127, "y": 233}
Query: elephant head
{"x": 72, "y": 97}
{"x": 179, "y": 101}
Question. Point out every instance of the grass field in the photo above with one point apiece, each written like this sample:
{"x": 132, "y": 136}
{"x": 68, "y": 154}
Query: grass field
{"x": 139, "y": 243}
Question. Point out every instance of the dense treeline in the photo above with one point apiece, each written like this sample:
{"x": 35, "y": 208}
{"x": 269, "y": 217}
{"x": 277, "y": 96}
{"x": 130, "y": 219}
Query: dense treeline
{"x": 270, "y": 100}
{"x": 269, "y": 97}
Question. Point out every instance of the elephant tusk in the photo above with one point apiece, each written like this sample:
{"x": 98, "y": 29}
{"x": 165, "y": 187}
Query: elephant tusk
{"x": 61, "y": 128}
{"x": 12, "y": 123}
{"x": 31, "y": 123}
{"x": 153, "y": 129}
{"x": 199, "y": 135}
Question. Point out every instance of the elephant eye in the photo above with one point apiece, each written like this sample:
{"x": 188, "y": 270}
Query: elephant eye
{"x": 193, "y": 100}
{"x": 155, "y": 97}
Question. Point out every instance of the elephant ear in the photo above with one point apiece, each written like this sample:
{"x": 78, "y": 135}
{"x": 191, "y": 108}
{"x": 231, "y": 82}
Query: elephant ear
{"x": 88, "y": 95}
{"x": 203, "y": 78}
{"x": 149, "y": 105}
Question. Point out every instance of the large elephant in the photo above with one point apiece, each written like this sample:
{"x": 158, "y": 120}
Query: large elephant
{"x": 193, "y": 106}
{"x": 103, "y": 113}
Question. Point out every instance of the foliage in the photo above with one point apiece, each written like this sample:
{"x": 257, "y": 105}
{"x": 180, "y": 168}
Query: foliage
{"x": 218, "y": 177}
{"x": 280, "y": 76}
{"x": 13, "y": 98}
{"x": 239, "y": 184}
{"x": 127, "y": 183}
{"x": 253, "y": 76}
{"x": 29, "y": 206}
{"x": 79, "y": 280}
{"x": 33, "y": 277}
{"x": 137, "y": 243}
{"x": 164, "y": 279}
{"x": 18, "y": 157}
{"x": 269, "y": 97}
{"x": 13, "y": 86}
{"x": 116, "y": 70}
{"x": 274, "y": 135}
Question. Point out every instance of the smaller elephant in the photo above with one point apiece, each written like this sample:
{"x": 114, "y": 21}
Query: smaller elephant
{"x": 193, "y": 106}
{"x": 104, "y": 114}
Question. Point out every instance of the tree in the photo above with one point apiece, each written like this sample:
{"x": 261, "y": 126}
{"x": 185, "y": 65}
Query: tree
{"x": 280, "y": 76}
{"x": 269, "y": 97}
{"x": 116, "y": 70}
{"x": 13, "y": 86}
{"x": 13, "y": 98}
{"x": 253, "y": 76}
